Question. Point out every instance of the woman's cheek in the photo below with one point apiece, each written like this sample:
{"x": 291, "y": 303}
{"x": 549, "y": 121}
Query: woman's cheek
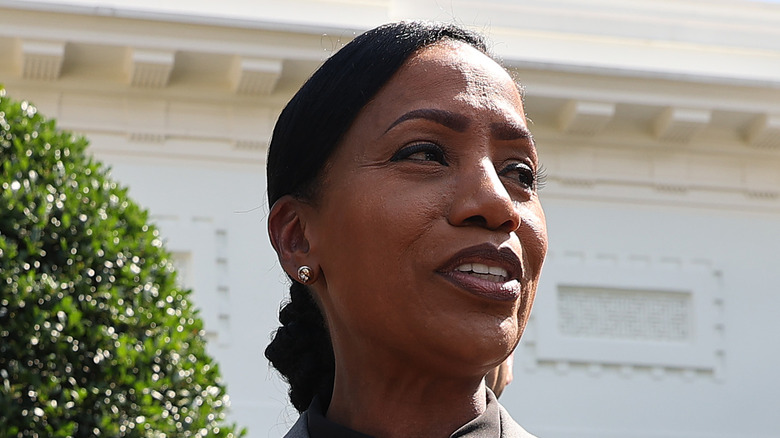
{"x": 412, "y": 210}
{"x": 533, "y": 236}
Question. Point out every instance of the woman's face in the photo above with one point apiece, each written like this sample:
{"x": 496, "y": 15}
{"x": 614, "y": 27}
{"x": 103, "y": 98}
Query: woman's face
{"x": 427, "y": 228}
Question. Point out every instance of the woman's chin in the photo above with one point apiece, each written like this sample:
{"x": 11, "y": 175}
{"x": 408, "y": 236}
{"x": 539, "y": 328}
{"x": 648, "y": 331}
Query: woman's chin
{"x": 476, "y": 351}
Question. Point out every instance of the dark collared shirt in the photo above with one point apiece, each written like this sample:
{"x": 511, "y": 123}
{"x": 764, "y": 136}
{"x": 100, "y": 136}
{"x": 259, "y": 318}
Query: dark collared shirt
{"x": 487, "y": 425}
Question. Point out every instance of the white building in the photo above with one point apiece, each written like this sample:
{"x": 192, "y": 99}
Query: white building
{"x": 658, "y": 122}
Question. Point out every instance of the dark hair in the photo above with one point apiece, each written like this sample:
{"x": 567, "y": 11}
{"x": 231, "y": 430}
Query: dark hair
{"x": 308, "y": 130}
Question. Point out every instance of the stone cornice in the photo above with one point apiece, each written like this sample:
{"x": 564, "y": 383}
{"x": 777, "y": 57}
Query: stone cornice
{"x": 211, "y": 92}
{"x": 725, "y": 42}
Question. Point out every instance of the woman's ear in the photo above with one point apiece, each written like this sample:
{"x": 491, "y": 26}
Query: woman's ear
{"x": 286, "y": 228}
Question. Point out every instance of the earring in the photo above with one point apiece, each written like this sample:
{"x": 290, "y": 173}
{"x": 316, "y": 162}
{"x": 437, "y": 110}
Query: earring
{"x": 304, "y": 274}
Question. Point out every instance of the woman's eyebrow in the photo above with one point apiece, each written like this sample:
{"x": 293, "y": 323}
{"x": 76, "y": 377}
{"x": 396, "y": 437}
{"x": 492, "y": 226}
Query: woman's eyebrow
{"x": 456, "y": 122}
{"x": 460, "y": 123}
{"x": 509, "y": 131}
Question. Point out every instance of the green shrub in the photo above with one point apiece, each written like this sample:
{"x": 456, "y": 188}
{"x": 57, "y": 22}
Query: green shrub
{"x": 96, "y": 339}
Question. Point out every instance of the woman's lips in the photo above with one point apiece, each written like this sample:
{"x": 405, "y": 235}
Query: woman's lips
{"x": 486, "y": 271}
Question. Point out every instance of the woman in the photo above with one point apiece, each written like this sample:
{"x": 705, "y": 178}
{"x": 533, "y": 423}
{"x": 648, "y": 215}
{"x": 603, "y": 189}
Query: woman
{"x": 402, "y": 179}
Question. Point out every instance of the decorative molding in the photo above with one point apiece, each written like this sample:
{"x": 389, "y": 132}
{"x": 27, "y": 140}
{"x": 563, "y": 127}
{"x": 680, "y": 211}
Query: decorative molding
{"x": 255, "y": 75}
{"x": 625, "y": 169}
{"x": 670, "y": 174}
{"x": 585, "y": 118}
{"x": 146, "y": 120}
{"x": 223, "y": 285}
{"x": 622, "y": 314}
{"x": 762, "y": 180}
{"x": 576, "y": 168}
{"x": 149, "y": 68}
{"x": 764, "y": 132}
{"x": 146, "y": 137}
{"x": 200, "y": 251}
{"x": 251, "y": 145}
{"x": 680, "y": 125}
{"x": 41, "y": 60}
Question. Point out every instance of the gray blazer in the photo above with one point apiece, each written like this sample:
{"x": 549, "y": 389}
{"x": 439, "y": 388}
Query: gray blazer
{"x": 509, "y": 428}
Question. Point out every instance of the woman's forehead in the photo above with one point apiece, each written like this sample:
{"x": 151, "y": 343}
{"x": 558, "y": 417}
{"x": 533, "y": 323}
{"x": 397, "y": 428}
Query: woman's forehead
{"x": 455, "y": 58}
{"x": 450, "y": 74}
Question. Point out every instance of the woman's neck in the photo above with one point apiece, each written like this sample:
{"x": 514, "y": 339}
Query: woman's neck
{"x": 398, "y": 401}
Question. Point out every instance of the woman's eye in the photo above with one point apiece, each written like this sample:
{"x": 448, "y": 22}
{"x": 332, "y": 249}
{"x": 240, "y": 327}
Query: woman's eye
{"x": 520, "y": 172}
{"x": 421, "y": 152}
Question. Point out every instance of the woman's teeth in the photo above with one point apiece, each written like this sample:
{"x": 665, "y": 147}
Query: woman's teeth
{"x": 485, "y": 272}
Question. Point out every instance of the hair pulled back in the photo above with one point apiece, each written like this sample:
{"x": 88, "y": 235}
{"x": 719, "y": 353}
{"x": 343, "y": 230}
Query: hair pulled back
{"x": 307, "y": 132}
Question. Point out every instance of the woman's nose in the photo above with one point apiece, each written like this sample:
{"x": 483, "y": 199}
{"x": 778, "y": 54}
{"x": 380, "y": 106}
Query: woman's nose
{"x": 481, "y": 199}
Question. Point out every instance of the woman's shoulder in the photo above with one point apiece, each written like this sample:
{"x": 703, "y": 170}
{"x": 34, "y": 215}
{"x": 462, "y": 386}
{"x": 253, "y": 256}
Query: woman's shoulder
{"x": 300, "y": 428}
{"x": 509, "y": 427}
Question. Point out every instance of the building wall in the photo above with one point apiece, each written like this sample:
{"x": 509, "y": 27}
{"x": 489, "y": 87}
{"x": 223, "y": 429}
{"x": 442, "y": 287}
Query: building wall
{"x": 658, "y": 123}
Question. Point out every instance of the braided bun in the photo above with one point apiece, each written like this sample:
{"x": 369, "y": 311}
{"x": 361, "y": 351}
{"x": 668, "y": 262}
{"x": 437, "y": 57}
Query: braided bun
{"x": 301, "y": 349}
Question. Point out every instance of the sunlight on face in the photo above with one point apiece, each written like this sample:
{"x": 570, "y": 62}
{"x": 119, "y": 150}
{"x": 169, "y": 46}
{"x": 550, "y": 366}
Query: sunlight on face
{"x": 429, "y": 228}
